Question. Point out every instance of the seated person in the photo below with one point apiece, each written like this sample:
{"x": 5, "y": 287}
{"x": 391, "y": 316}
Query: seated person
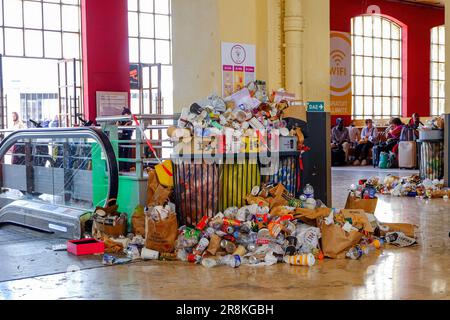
{"x": 392, "y": 135}
{"x": 415, "y": 123}
{"x": 353, "y": 133}
{"x": 369, "y": 136}
{"x": 340, "y": 137}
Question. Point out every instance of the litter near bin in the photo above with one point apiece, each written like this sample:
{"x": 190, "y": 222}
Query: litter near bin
{"x": 410, "y": 186}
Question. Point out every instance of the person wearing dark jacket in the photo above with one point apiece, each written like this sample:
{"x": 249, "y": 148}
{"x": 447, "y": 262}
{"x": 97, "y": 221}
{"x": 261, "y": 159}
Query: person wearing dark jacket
{"x": 340, "y": 137}
{"x": 125, "y": 150}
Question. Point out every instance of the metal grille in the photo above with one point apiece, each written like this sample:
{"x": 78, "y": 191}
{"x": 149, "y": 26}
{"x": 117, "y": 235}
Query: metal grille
{"x": 376, "y": 67}
{"x": 204, "y": 188}
{"x": 437, "y": 74}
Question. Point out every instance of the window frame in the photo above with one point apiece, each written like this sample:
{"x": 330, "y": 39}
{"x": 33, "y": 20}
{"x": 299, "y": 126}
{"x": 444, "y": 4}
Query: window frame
{"x": 380, "y": 76}
{"x": 439, "y": 45}
{"x": 61, "y": 31}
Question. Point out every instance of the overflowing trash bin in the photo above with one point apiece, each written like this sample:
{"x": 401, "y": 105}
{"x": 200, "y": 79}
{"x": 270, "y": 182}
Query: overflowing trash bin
{"x": 431, "y": 159}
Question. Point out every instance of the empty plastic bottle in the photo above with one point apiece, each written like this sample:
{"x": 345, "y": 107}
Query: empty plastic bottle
{"x": 308, "y": 191}
{"x": 210, "y": 262}
{"x": 354, "y": 253}
{"x": 182, "y": 255}
{"x": 300, "y": 260}
{"x": 233, "y": 261}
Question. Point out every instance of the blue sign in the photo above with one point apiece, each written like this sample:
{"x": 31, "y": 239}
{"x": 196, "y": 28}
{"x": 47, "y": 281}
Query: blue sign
{"x": 315, "y": 106}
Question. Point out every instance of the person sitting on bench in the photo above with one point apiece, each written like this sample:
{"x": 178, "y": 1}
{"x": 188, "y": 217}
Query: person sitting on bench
{"x": 340, "y": 137}
{"x": 369, "y": 136}
{"x": 415, "y": 123}
{"x": 392, "y": 133}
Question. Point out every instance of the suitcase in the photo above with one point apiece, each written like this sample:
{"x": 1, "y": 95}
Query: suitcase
{"x": 337, "y": 157}
{"x": 407, "y": 154}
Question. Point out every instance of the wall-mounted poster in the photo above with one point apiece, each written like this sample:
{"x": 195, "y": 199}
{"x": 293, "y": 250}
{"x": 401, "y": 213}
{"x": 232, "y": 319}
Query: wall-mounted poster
{"x": 238, "y": 66}
{"x": 111, "y": 103}
{"x": 134, "y": 76}
{"x": 340, "y": 73}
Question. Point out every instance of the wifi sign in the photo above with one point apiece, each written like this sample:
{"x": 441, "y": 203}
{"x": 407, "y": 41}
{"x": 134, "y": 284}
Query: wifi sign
{"x": 338, "y": 56}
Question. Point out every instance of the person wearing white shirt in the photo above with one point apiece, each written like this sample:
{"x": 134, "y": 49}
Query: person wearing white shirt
{"x": 369, "y": 136}
{"x": 353, "y": 132}
{"x": 17, "y": 123}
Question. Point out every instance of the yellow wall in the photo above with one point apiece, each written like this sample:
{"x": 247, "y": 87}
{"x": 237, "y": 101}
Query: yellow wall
{"x": 199, "y": 27}
{"x": 316, "y": 51}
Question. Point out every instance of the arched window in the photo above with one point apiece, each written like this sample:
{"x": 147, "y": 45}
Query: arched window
{"x": 437, "y": 71}
{"x": 376, "y": 67}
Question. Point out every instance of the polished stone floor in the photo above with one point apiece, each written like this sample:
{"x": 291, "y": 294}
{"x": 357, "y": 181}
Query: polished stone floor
{"x": 421, "y": 272}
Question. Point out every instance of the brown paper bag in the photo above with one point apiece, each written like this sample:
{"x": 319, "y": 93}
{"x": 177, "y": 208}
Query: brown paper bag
{"x": 99, "y": 229}
{"x": 312, "y": 213}
{"x": 359, "y": 219}
{"x": 277, "y": 201}
{"x": 157, "y": 195}
{"x": 311, "y": 216}
{"x": 368, "y": 205}
{"x": 280, "y": 211}
{"x": 138, "y": 221}
{"x": 301, "y": 138}
{"x": 161, "y": 235}
{"x": 112, "y": 246}
{"x": 408, "y": 229}
{"x": 336, "y": 242}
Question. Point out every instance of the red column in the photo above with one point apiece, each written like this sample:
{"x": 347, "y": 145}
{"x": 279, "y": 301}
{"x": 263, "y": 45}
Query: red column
{"x": 105, "y": 49}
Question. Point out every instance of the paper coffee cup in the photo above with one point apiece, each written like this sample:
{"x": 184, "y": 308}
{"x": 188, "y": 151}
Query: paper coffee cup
{"x": 284, "y": 132}
{"x": 148, "y": 254}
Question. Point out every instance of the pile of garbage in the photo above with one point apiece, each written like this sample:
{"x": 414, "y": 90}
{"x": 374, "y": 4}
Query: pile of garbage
{"x": 272, "y": 228}
{"x": 234, "y": 124}
{"x": 410, "y": 186}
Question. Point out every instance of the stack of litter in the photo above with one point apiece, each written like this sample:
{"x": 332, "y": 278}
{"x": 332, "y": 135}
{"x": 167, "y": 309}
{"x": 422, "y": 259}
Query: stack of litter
{"x": 235, "y": 124}
{"x": 274, "y": 228}
{"x": 410, "y": 186}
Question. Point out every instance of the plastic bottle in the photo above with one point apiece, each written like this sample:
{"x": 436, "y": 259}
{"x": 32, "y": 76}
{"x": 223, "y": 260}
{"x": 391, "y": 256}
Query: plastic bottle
{"x": 308, "y": 191}
{"x": 232, "y": 261}
{"x": 182, "y": 255}
{"x": 354, "y": 253}
{"x": 210, "y": 262}
{"x": 300, "y": 260}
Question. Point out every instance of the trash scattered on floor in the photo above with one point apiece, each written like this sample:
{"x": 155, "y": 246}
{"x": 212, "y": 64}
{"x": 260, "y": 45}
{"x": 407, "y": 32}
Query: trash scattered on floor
{"x": 59, "y": 247}
{"x": 111, "y": 260}
{"x": 272, "y": 228}
{"x": 410, "y": 186}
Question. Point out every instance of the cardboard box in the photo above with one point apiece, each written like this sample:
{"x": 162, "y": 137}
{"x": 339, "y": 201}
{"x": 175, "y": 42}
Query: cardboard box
{"x": 85, "y": 246}
{"x": 368, "y": 205}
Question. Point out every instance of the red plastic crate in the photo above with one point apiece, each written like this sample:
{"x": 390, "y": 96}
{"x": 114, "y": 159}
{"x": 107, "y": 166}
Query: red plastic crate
{"x": 85, "y": 246}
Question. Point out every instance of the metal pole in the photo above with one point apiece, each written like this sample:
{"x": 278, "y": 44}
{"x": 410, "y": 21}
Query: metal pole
{"x": 2, "y": 110}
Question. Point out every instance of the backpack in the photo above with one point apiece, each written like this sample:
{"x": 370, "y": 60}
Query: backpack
{"x": 383, "y": 161}
{"x": 407, "y": 134}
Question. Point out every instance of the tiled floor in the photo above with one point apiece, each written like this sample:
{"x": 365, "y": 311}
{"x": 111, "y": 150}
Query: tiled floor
{"x": 421, "y": 272}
